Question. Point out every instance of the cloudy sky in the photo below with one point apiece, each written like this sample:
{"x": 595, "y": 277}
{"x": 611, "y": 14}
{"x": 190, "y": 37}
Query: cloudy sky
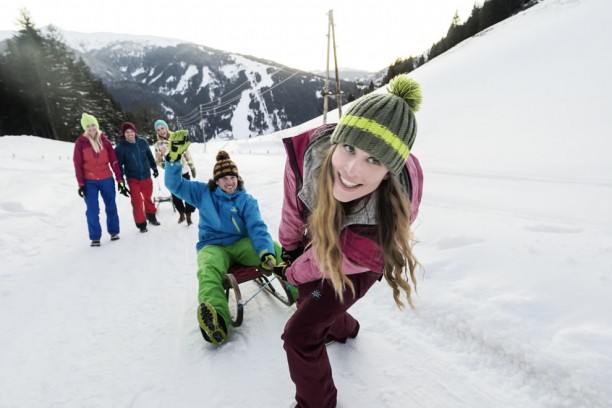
{"x": 369, "y": 35}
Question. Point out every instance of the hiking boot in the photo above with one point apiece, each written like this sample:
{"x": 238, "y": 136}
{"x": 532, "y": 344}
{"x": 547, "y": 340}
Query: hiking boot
{"x": 212, "y": 327}
{"x": 181, "y": 217}
{"x": 152, "y": 219}
{"x": 114, "y": 237}
{"x": 142, "y": 226}
{"x": 95, "y": 242}
{"x": 188, "y": 216}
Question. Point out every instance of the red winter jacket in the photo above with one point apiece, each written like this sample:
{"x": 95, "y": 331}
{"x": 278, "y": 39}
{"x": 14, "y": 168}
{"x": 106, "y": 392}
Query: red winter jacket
{"x": 89, "y": 165}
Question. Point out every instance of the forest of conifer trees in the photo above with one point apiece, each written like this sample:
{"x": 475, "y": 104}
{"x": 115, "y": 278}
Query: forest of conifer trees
{"x": 44, "y": 88}
{"x": 482, "y": 17}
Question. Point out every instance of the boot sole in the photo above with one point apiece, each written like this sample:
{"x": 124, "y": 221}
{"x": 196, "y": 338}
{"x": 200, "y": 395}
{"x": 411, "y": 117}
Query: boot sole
{"x": 209, "y": 323}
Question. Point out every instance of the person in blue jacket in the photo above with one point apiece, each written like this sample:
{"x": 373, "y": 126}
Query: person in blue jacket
{"x": 136, "y": 162}
{"x": 230, "y": 231}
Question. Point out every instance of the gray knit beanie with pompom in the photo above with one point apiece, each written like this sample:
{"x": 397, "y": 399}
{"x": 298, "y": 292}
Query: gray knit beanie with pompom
{"x": 383, "y": 124}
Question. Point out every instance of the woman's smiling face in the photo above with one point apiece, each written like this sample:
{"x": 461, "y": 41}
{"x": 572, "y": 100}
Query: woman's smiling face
{"x": 91, "y": 130}
{"x": 356, "y": 173}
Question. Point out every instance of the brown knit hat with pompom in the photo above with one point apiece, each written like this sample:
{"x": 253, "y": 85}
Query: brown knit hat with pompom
{"x": 224, "y": 166}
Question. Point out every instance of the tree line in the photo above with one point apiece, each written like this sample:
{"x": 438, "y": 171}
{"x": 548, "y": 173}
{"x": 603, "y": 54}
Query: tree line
{"x": 489, "y": 13}
{"x": 44, "y": 88}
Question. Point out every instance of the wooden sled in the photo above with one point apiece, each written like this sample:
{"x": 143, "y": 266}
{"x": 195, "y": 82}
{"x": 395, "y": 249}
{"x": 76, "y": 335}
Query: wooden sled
{"x": 271, "y": 284}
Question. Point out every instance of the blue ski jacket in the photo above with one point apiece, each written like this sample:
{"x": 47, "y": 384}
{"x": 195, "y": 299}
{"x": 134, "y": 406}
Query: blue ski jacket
{"x": 135, "y": 159}
{"x": 224, "y": 218}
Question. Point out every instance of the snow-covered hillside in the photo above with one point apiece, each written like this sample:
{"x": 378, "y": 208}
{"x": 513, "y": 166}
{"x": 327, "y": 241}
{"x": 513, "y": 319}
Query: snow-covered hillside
{"x": 515, "y": 241}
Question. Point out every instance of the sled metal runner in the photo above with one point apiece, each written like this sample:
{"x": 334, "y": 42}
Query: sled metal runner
{"x": 162, "y": 199}
{"x": 271, "y": 284}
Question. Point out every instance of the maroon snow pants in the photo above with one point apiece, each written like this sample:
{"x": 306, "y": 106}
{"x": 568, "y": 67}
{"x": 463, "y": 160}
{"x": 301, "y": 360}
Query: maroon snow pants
{"x": 320, "y": 314}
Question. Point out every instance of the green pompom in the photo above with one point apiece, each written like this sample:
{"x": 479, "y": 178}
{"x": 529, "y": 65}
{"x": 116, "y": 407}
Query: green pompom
{"x": 408, "y": 89}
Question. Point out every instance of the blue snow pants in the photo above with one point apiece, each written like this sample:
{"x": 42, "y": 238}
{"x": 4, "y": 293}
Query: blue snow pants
{"x": 106, "y": 188}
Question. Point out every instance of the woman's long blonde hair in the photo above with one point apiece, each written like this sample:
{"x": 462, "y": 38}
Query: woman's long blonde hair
{"x": 394, "y": 235}
{"x": 96, "y": 141}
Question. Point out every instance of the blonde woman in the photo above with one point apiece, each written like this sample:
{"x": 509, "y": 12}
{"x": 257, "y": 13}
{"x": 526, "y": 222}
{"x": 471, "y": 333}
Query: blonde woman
{"x": 347, "y": 201}
{"x": 94, "y": 164}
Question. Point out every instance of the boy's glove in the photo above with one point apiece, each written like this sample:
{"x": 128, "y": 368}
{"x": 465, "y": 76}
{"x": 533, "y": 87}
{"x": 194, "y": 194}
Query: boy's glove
{"x": 82, "y": 191}
{"x": 268, "y": 262}
{"x": 179, "y": 142}
{"x": 193, "y": 172}
{"x": 123, "y": 189}
{"x": 155, "y": 173}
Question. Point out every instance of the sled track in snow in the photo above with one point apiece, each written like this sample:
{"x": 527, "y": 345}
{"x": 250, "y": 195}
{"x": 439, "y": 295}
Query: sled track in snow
{"x": 559, "y": 388}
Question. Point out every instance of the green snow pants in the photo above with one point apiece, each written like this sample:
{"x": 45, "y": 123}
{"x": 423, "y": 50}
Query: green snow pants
{"x": 213, "y": 264}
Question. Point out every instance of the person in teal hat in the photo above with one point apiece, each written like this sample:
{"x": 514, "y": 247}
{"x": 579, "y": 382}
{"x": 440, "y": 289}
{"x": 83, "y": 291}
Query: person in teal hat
{"x": 94, "y": 164}
{"x": 188, "y": 171}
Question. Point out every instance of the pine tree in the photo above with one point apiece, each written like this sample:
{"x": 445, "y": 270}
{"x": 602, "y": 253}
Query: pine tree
{"x": 454, "y": 34}
{"x": 23, "y": 74}
{"x": 12, "y": 102}
{"x": 482, "y": 17}
{"x": 51, "y": 88}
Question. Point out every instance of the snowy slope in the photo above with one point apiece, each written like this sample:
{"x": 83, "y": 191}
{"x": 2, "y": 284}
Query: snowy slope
{"x": 515, "y": 241}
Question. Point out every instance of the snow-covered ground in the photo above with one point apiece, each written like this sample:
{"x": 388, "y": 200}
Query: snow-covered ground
{"x": 515, "y": 235}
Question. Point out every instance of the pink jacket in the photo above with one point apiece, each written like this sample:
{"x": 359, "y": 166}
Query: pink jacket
{"x": 360, "y": 251}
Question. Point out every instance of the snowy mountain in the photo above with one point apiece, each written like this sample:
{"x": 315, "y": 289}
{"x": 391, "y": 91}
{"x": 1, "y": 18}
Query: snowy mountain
{"x": 201, "y": 87}
{"x": 357, "y": 75}
{"x": 515, "y": 239}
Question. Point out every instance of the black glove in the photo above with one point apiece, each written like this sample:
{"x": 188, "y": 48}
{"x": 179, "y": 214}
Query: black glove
{"x": 155, "y": 173}
{"x": 280, "y": 269}
{"x": 123, "y": 189}
{"x": 290, "y": 256}
{"x": 82, "y": 191}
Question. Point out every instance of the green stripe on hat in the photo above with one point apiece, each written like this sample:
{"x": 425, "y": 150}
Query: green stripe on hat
{"x": 378, "y": 130}
{"x": 383, "y": 124}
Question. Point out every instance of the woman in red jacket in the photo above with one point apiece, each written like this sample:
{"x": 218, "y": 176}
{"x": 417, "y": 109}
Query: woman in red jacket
{"x": 94, "y": 158}
{"x": 357, "y": 188}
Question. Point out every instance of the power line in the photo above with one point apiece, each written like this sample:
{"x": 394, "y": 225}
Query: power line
{"x": 196, "y": 116}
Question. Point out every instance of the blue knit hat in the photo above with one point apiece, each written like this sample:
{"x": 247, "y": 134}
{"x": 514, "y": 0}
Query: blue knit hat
{"x": 159, "y": 123}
